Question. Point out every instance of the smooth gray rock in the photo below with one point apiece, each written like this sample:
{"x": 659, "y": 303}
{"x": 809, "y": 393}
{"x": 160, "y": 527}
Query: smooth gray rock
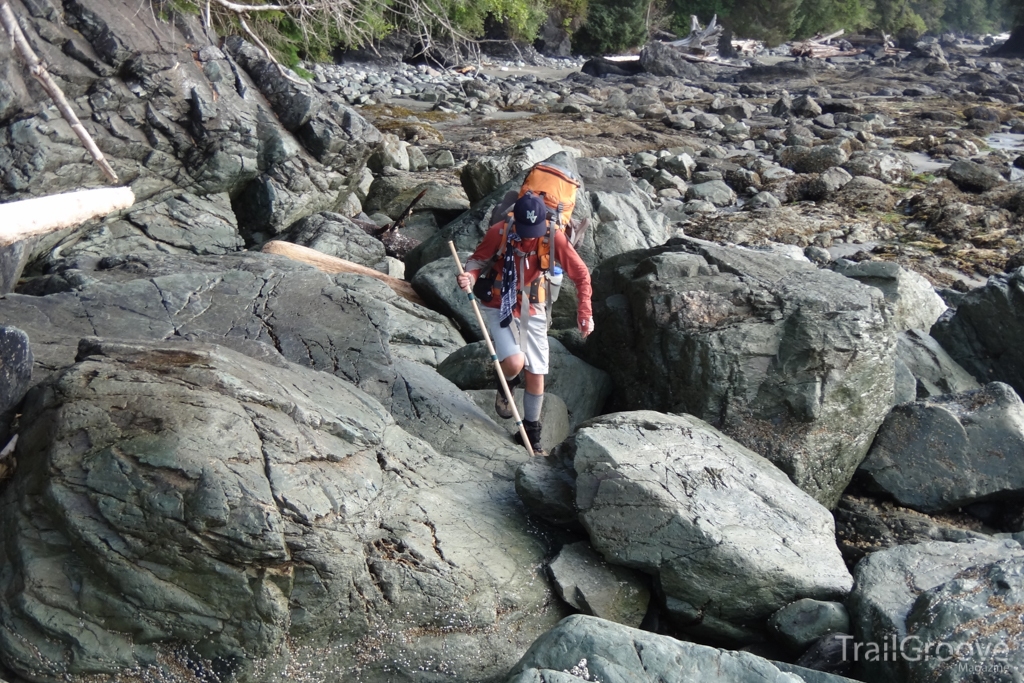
{"x": 933, "y": 369}
{"x": 889, "y": 583}
{"x": 201, "y": 225}
{"x": 973, "y": 177}
{"x": 828, "y": 183}
{"x": 15, "y": 367}
{"x": 436, "y": 283}
{"x": 483, "y": 175}
{"x": 905, "y": 385}
{"x": 620, "y": 222}
{"x": 390, "y": 153}
{"x": 583, "y": 648}
{"x": 274, "y": 511}
{"x": 548, "y": 488}
{"x": 336, "y": 235}
{"x": 889, "y": 167}
{"x": 336, "y": 133}
{"x": 393, "y": 192}
{"x": 983, "y": 334}
{"x": 914, "y": 301}
{"x": 714, "y": 191}
{"x": 597, "y": 588}
{"x": 763, "y": 200}
{"x": 813, "y": 159}
{"x": 800, "y": 623}
{"x": 583, "y": 387}
{"x": 13, "y": 259}
{"x": 663, "y": 60}
{"x": 794, "y": 362}
{"x": 949, "y": 451}
{"x": 806, "y": 106}
{"x": 720, "y": 527}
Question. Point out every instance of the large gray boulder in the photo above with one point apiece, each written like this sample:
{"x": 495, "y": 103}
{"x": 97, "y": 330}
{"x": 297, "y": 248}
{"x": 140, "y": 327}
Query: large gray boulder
{"x": 620, "y": 222}
{"x": 436, "y": 283}
{"x": 889, "y": 167}
{"x": 889, "y": 584}
{"x": 583, "y": 648}
{"x": 728, "y": 537}
{"x": 583, "y": 387}
{"x": 794, "y": 362}
{"x": 260, "y": 513}
{"x": 283, "y": 195}
{"x": 661, "y": 59}
{"x": 984, "y": 333}
{"x": 336, "y": 235}
{"x": 949, "y": 451}
{"x": 913, "y": 299}
{"x": 970, "y": 176}
{"x": 933, "y": 369}
{"x": 348, "y": 325}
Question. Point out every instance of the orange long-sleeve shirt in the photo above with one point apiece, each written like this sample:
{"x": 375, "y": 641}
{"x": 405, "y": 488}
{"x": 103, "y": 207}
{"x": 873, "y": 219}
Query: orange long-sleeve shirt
{"x": 563, "y": 252}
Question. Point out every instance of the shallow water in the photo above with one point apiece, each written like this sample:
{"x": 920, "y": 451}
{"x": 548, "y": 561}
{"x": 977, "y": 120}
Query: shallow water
{"x": 1008, "y": 141}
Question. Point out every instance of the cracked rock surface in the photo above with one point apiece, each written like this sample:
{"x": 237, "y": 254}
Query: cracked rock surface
{"x": 728, "y": 536}
{"x": 185, "y": 492}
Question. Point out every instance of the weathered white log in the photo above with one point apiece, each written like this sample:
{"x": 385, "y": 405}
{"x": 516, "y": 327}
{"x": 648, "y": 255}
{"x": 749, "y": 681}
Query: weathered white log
{"x": 38, "y": 216}
{"x": 333, "y": 264}
{"x": 39, "y": 72}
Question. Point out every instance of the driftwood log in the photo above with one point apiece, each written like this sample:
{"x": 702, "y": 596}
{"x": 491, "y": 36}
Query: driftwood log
{"x": 39, "y": 72}
{"x": 41, "y": 215}
{"x": 332, "y": 264}
{"x": 701, "y": 41}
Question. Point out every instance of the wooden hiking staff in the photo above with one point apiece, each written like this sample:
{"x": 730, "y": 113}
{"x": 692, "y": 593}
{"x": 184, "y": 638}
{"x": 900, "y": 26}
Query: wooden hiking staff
{"x": 494, "y": 354}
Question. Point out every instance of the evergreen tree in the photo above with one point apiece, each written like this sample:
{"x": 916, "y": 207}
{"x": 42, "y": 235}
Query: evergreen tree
{"x": 612, "y": 26}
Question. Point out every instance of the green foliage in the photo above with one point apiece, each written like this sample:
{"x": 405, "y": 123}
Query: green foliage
{"x": 612, "y": 26}
{"x": 826, "y": 16}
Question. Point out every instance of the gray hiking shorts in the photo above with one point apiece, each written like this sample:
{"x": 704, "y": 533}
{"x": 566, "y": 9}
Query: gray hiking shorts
{"x": 527, "y": 335}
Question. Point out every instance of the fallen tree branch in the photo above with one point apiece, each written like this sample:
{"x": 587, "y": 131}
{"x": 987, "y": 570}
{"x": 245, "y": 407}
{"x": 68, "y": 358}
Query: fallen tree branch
{"x": 332, "y": 264}
{"x": 38, "y": 216}
{"x": 39, "y": 72}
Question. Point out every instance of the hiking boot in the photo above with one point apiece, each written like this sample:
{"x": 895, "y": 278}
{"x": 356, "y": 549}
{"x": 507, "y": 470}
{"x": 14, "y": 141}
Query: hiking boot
{"x": 533, "y": 433}
{"x": 501, "y": 405}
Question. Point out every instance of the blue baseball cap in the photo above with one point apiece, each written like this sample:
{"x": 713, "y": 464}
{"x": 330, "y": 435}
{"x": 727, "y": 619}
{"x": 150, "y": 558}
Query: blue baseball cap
{"x": 531, "y": 216}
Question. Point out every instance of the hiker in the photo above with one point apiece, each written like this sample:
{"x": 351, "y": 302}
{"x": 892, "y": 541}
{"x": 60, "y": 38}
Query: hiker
{"x": 516, "y": 259}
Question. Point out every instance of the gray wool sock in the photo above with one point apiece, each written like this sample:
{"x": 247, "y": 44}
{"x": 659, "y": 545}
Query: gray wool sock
{"x": 532, "y": 404}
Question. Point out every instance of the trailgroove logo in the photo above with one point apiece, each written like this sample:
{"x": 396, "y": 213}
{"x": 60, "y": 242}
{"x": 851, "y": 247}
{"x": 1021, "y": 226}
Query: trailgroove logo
{"x": 970, "y": 657}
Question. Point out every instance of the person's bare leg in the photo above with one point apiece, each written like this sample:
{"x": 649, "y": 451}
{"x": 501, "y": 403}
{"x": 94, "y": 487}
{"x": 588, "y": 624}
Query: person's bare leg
{"x": 513, "y": 365}
{"x": 534, "y": 383}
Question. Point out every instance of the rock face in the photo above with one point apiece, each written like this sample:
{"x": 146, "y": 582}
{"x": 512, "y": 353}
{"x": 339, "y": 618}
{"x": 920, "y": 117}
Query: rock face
{"x": 15, "y": 367}
{"x": 914, "y": 301}
{"x": 934, "y": 371}
{"x": 264, "y": 507}
{"x": 336, "y": 235}
{"x": 347, "y": 325}
{"x": 983, "y": 334}
{"x": 889, "y": 585}
{"x": 973, "y": 177}
{"x": 949, "y": 451}
{"x": 791, "y": 361}
{"x": 728, "y": 536}
{"x": 585, "y": 648}
{"x": 597, "y": 588}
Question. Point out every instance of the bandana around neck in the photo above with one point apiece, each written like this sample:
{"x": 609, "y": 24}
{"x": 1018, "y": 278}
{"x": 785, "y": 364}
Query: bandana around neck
{"x": 509, "y": 279}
